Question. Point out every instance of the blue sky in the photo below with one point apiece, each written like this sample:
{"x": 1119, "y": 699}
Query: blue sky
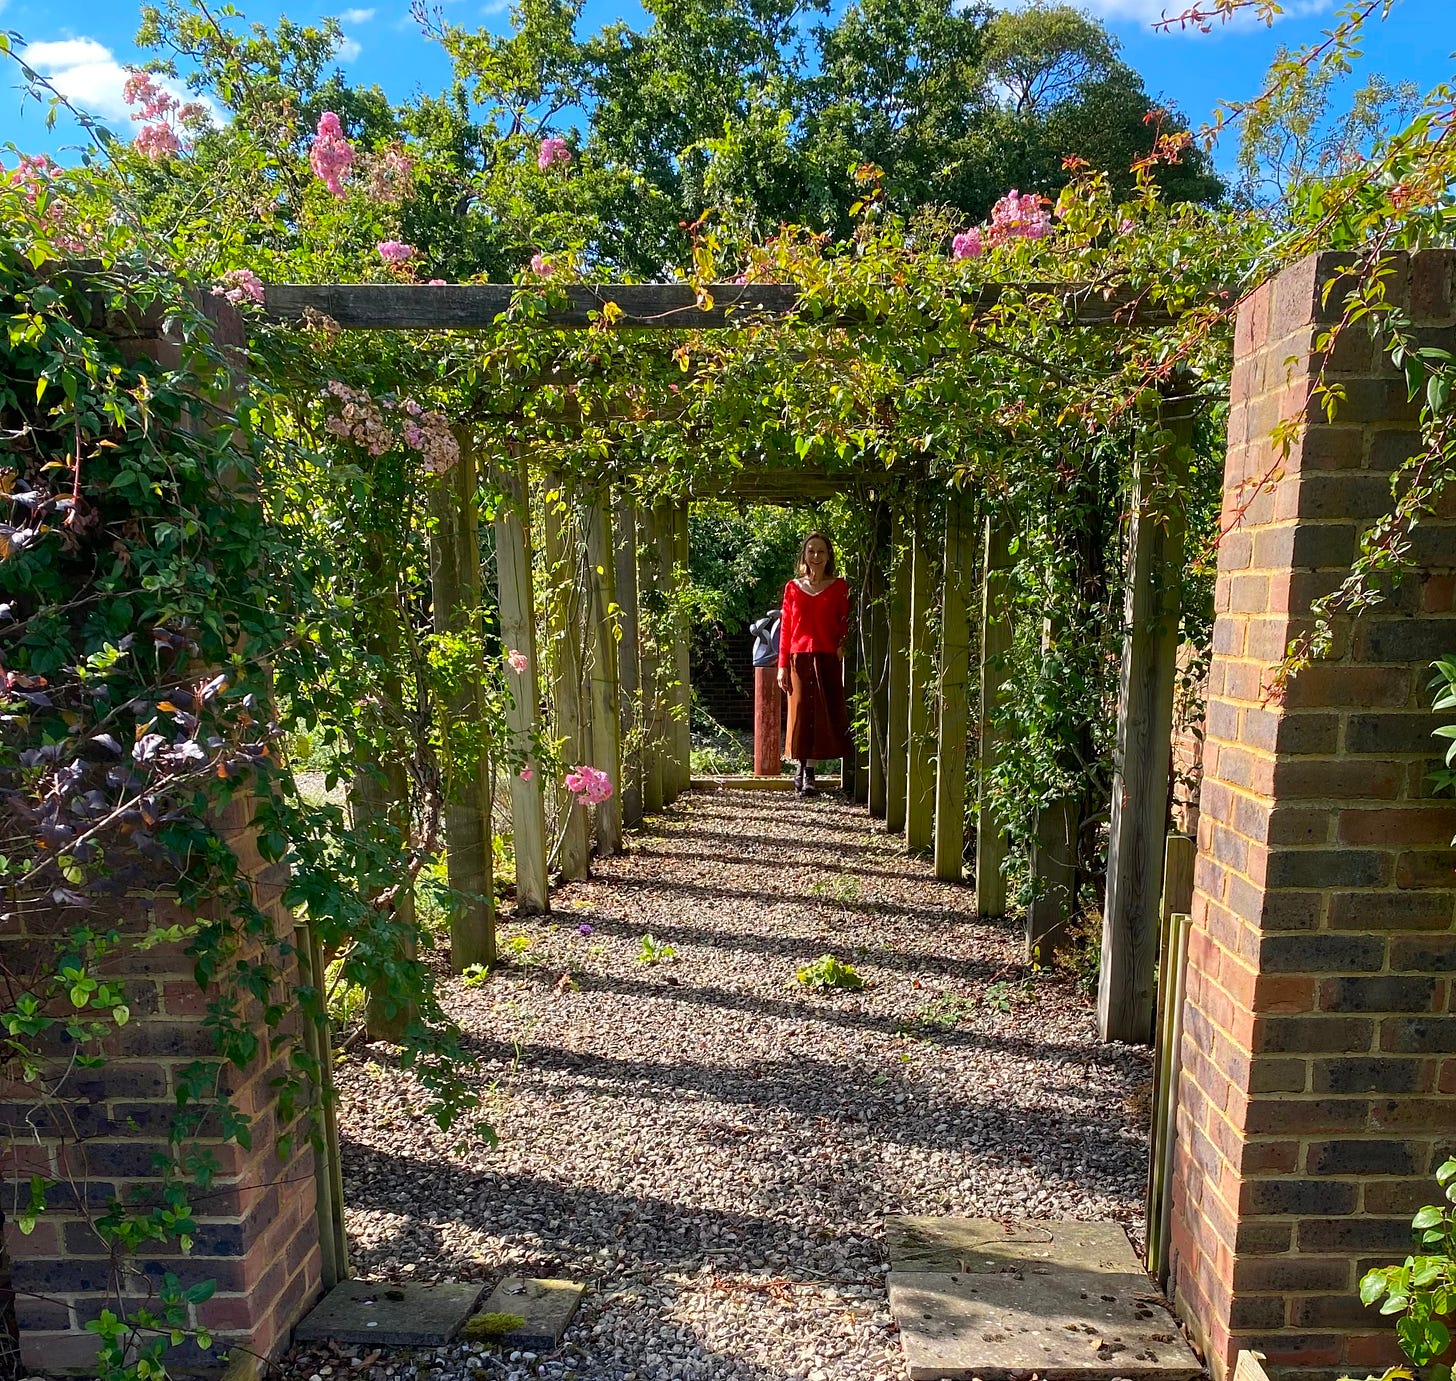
{"x": 84, "y": 45}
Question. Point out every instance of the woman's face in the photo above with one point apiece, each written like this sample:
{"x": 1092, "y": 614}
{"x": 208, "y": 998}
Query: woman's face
{"x": 816, "y": 556}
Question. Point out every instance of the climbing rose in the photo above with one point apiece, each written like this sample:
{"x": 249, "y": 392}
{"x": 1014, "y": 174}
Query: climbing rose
{"x": 1020, "y": 217}
{"x": 518, "y": 661}
{"x": 332, "y": 155}
{"x": 239, "y": 286}
{"x": 967, "y": 245}
{"x": 394, "y": 252}
{"x": 526, "y": 774}
{"x": 391, "y": 176}
{"x": 553, "y": 150}
{"x": 541, "y": 266}
{"x": 591, "y": 785}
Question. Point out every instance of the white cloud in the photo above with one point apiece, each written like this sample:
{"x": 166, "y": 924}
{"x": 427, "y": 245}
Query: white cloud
{"x": 88, "y": 75}
{"x": 349, "y": 16}
{"x": 349, "y": 49}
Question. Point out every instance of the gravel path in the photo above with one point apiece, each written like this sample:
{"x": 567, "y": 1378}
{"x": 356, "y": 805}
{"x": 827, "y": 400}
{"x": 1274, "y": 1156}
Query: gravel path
{"x": 712, "y": 1146}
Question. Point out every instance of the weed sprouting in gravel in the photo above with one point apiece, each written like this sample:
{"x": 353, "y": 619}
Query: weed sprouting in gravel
{"x": 654, "y": 951}
{"x": 828, "y": 972}
{"x": 840, "y": 889}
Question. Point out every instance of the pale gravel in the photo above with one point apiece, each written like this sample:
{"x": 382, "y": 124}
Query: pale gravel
{"x": 711, "y": 1147}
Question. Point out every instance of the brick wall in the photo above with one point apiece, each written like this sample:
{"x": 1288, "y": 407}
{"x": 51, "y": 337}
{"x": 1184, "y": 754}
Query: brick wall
{"x": 722, "y": 678}
{"x": 257, "y": 1234}
{"x": 1319, "y": 1052}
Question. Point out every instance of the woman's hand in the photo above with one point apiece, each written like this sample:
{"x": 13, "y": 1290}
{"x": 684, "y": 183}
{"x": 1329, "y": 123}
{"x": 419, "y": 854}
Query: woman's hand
{"x": 784, "y": 679}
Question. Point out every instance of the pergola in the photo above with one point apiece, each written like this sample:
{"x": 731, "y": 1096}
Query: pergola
{"x": 913, "y": 775}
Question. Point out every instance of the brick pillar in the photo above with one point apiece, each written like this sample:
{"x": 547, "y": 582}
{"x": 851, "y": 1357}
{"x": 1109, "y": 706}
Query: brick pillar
{"x": 257, "y": 1230}
{"x": 1319, "y": 1062}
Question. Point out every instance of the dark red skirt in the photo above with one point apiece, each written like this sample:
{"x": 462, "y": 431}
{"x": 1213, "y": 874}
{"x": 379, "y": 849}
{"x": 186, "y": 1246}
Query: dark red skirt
{"x": 818, "y": 718}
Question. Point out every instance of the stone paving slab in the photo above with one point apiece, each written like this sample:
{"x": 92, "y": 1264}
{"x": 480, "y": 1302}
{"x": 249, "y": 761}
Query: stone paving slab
{"x": 407, "y": 1315}
{"x": 546, "y": 1305}
{"x": 1062, "y": 1323}
{"x": 977, "y": 1245}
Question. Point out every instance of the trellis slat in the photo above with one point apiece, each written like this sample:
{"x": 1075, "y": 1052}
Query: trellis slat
{"x": 991, "y": 842}
{"x": 955, "y": 675}
{"x": 924, "y": 589}
{"x": 897, "y": 705}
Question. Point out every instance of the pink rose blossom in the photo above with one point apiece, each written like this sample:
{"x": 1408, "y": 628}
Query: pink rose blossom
{"x": 436, "y": 283}
{"x": 518, "y": 660}
{"x": 967, "y": 245}
{"x": 527, "y": 774}
{"x": 239, "y": 286}
{"x": 1020, "y": 217}
{"x": 541, "y": 266}
{"x": 395, "y": 252}
{"x": 331, "y": 155}
{"x": 589, "y": 784}
{"x": 553, "y": 150}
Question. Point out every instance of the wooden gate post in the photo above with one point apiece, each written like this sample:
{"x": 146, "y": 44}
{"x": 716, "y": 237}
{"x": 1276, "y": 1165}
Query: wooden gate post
{"x": 517, "y": 603}
{"x": 1053, "y": 877}
{"x": 995, "y": 644}
{"x": 955, "y": 675}
{"x": 649, "y": 603}
{"x": 629, "y": 658}
{"x": 874, "y": 629}
{"x": 564, "y": 623}
{"x": 849, "y": 768}
{"x": 606, "y": 715}
{"x": 897, "y": 707}
{"x": 682, "y": 735}
{"x": 455, "y": 601}
{"x": 1144, "y": 733}
{"x": 924, "y": 586}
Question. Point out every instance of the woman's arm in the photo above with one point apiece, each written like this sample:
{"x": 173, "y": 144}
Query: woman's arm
{"x": 787, "y": 627}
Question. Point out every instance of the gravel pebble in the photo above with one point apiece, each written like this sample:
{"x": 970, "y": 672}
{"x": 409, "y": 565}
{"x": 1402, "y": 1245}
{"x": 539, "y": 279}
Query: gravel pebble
{"x": 711, "y": 1147}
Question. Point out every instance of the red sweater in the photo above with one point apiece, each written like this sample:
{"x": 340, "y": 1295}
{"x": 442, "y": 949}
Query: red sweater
{"x": 813, "y": 623}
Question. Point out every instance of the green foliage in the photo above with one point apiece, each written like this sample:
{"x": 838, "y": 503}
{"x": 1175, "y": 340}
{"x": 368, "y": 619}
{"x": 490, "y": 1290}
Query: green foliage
{"x": 1422, "y": 1290}
{"x": 654, "y": 951}
{"x": 485, "y": 1327}
{"x": 844, "y": 890}
{"x": 828, "y": 972}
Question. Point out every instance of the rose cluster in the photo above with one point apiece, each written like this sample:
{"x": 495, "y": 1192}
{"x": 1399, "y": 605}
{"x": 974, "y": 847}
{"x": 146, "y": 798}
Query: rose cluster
{"x": 590, "y": 785}
{"x": 518, "y": 660}
{"x": 332, "y": 155}
{"x": 377, "y": 425}
{"x": 391, "y": 175}
{"x": 1014, "y": 217}
{"x": 160, "y": 139}
{"x": 239, "y": 286}
{"x": 395, "y": 252}
{"x": 553, "y": 150}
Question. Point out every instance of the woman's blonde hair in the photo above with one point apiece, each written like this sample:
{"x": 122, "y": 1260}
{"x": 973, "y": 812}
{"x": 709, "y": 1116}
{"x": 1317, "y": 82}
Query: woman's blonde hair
{"x": 831, "y": 567}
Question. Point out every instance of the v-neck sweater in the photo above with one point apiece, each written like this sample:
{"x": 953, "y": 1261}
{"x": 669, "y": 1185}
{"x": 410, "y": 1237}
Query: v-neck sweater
{"x": 813, "y": 623}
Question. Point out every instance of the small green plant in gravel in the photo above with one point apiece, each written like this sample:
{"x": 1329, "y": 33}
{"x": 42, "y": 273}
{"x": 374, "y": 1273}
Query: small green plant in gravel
{"x": 473, "y": 975}
{"x": 946, "y": 1011}
{"x": 1423, "y": 1289}
{"x": 828, "y": 972}
{"x": 486, "y": 1326}
{"x": 653, "y": 951}
{"x": 518, "y": 949}
{"x": 841, "y": 889}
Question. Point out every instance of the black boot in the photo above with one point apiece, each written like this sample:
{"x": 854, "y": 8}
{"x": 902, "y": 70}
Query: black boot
{"x": 799, "y": 785}
{"x": 809, "y": 788}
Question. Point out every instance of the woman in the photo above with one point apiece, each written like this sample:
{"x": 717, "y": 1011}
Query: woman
{"x": 811, "y": 645}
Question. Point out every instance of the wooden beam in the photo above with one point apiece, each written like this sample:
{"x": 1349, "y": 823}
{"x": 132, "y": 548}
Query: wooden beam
{"x": 658, "y": 306}
{"x": 606, "y": 714}
{"x": 517, "y": 603}
{"x": 955, "y": 675}
{"x": 629, "y": 657}
{"x": 991, "y": 842}
{"x": 682, "y": 727}
{"x": 875, "y": 632}
{"x": 1139, "y": 821}
{"x": 1053, "y": 878}
{"x": 565, "y": 626}
{"x": 924, "y": 590}
{"x": 650, "y": 607}
{"x": 455, "y": 605}
{"x": 897, "y": 702}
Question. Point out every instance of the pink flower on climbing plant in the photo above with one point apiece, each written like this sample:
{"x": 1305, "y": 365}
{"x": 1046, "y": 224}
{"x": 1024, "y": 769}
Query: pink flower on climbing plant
{"x": 553, "y": 150}
{"x": 395, "y": 251}
{"x": 590, "y": 785}
{"x": 1020, "y": 217}
{"x": 967, "y": 245}
{"x": 239, "y": 286}
{"x": 518, "y": 660}
{"x": 332, "y": 155}
{"x": 541, "y": 266}
{"x": 527, "y": 774}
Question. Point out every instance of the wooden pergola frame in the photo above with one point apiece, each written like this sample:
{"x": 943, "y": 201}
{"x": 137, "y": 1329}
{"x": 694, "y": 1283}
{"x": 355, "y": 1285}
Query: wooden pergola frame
{"x": 637, "y": 556}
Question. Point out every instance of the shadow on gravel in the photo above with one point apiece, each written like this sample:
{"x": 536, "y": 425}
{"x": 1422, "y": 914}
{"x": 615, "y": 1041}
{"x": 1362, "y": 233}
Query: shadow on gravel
{"x": 797, "y": 948}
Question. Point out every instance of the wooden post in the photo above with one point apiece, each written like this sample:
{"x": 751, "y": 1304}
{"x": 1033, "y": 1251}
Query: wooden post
{"x": 955, "y": 675}
{"x": 682, "y": 736}
{"x": 924, "y": 587}
{"x": 897, "y": 706}
{"x": 1144, "y": 734}
{"x": 875, "y": 630}
{"x": 768, "y": 723}
{"x": 629, "y": 659}
{"x": 1053, "y": 878}
{"x": 455, "y": 604}
{"x": 564, "y": 623}
{"x": 995, "y": 644}
{"x": 650, "y": 607}
{"x": 606, "y": 715}
{"x": 667, "y": 701}
{"x": 849, "y": 767}
{"x": 518, "y": 633}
